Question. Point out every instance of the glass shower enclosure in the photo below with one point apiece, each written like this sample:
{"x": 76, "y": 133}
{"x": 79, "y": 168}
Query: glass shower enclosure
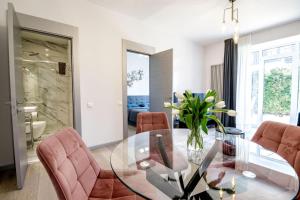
{"x": 47, "y": 81}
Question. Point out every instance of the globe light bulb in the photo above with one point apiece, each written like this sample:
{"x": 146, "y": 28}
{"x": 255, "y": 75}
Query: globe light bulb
{"x": 236, "y": 27}
{"x": 236, "y": 37}
{"x": 223, "y": 27}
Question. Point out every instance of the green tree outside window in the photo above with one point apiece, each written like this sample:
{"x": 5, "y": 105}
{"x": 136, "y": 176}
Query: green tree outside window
{"x": 277, "y": 92}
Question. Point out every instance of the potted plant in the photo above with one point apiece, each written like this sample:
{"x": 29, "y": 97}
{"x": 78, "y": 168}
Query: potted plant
{"x": 195, "y": 113}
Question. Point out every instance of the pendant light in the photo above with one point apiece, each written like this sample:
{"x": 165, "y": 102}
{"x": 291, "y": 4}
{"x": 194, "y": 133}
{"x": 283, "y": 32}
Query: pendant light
{"x": 233, "y": 23}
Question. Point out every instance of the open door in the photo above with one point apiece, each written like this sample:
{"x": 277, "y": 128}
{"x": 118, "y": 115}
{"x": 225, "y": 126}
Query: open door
{"x": 161, "y": 82}
{"x": 17, "y": 95}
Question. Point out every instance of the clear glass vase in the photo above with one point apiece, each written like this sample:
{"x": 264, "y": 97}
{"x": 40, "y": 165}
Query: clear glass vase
{"x": 195, "y": 145}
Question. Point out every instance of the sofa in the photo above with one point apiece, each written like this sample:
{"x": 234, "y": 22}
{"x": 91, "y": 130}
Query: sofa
{"x": 135, "y": 105}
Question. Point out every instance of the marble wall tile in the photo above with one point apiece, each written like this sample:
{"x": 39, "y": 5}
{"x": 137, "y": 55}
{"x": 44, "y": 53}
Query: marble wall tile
{"x": 44, "y": 86}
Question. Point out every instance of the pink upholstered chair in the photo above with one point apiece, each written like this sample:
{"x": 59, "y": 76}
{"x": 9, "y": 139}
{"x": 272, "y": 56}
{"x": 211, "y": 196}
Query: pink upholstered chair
{"x": 283, "y": 139}
{"x": 74, "y": 172}
{"x": 149, "y": 121}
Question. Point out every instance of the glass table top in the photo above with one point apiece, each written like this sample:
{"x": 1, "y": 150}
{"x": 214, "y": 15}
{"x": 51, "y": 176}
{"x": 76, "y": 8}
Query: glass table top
{"x": 157, "y": 165}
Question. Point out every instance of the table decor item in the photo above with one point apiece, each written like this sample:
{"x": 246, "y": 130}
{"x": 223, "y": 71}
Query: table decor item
{"x": 196, "y": 112}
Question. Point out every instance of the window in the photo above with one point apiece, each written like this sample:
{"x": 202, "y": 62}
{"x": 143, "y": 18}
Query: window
{"x": 275, "y": 81}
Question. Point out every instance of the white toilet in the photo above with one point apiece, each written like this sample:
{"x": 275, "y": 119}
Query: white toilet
{"x": 38, "y": 127}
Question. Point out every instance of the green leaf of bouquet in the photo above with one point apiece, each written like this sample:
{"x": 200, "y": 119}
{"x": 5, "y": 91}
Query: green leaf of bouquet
{"x": 219, "y": 110}
{"x": 213, "y": 117}
{"x": 189, "y": 121}
{"x": 204, "y": 125}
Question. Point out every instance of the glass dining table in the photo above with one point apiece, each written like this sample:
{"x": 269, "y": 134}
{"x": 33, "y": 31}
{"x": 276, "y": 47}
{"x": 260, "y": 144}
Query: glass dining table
{"x": 158, "y": 165}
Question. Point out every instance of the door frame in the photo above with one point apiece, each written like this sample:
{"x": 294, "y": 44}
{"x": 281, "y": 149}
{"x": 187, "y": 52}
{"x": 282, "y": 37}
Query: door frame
{"x": 19, "y": 143}
{"x": 295, "y": 92}
{"x": 45, "y": 26}
{"x": 128, "y": 45}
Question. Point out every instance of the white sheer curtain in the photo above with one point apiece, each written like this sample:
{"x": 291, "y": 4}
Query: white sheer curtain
{"x": 243, "y": 101}
{"x": 217, "y": 79}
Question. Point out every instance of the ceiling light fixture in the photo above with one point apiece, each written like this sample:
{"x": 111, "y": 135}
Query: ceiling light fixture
{"x": 234, "y": 21}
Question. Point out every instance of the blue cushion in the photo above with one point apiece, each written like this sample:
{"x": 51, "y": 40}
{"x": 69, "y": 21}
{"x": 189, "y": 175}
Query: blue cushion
{"x": 139, "y": 101}
{"x": 131, "y": 105}
{"x": 201, "y": 95}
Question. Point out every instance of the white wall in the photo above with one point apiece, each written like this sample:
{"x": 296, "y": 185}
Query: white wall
{"x": 187, "y": 74}
{"x": 213, "y": 55}
{"x": 275, "y": 33}
{"x": 100, "y": 58}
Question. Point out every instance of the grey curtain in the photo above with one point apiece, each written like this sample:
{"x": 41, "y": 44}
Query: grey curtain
{"x": 230, "y": 80}
{"x": 217, "y": 79}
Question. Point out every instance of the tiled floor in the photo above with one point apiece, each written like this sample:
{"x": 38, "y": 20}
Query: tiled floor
{"x": 37, "y": 184}
{"x": 31, "y": 155}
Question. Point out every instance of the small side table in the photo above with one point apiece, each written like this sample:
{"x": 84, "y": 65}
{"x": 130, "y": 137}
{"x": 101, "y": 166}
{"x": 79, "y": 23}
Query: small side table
{"x": 231, "y": 131}
{"x": 229, "y": 140}
{"x": 235, "y": 132}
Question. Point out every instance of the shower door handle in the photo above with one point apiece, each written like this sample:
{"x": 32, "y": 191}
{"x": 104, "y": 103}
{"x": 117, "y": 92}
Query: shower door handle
{"x": 20, "y": 107}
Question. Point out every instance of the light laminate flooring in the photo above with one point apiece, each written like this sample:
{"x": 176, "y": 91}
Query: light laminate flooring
{"x": 131, "y": 130}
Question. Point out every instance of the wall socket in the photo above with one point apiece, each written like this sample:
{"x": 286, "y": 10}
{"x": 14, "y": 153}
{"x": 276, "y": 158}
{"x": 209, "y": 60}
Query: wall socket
{"x": 90, "y": 104}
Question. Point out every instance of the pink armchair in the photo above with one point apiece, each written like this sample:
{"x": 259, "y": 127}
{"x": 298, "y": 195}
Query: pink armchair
{"x": 283, "y": 139}
{"x": 149, "y": 121}
{"x": 74, "y": 172}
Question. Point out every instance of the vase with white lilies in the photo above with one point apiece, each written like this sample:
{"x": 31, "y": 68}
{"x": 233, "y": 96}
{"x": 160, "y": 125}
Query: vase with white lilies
{"x": 196, "y": 112}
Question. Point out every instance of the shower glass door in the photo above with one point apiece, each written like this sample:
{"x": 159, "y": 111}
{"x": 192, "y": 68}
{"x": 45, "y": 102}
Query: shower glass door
{"x": 48, "y": 86}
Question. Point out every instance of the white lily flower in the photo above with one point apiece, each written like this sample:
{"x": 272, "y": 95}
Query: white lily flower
{"x": 167, "y": 104}
{"x": 231, "y": 113}
{"x": 209, "y": 99}
{"x": 179, "y": 95}
{"x": 175, "y": 112}
{"x": 220, "y": 104}
{"x": 180, "y": 99}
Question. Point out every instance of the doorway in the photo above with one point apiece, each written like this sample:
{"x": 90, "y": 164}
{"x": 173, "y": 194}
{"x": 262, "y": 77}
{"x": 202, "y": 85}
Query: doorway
{"x": 38, "y": 62}
{"x": 47, "y": 82}
{"x": 137, "y": 87}
{"x": 147, "y": 83}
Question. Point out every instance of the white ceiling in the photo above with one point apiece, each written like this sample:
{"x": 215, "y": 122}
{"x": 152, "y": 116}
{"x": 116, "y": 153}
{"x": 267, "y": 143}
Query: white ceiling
{"x": 200, "y": 20}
